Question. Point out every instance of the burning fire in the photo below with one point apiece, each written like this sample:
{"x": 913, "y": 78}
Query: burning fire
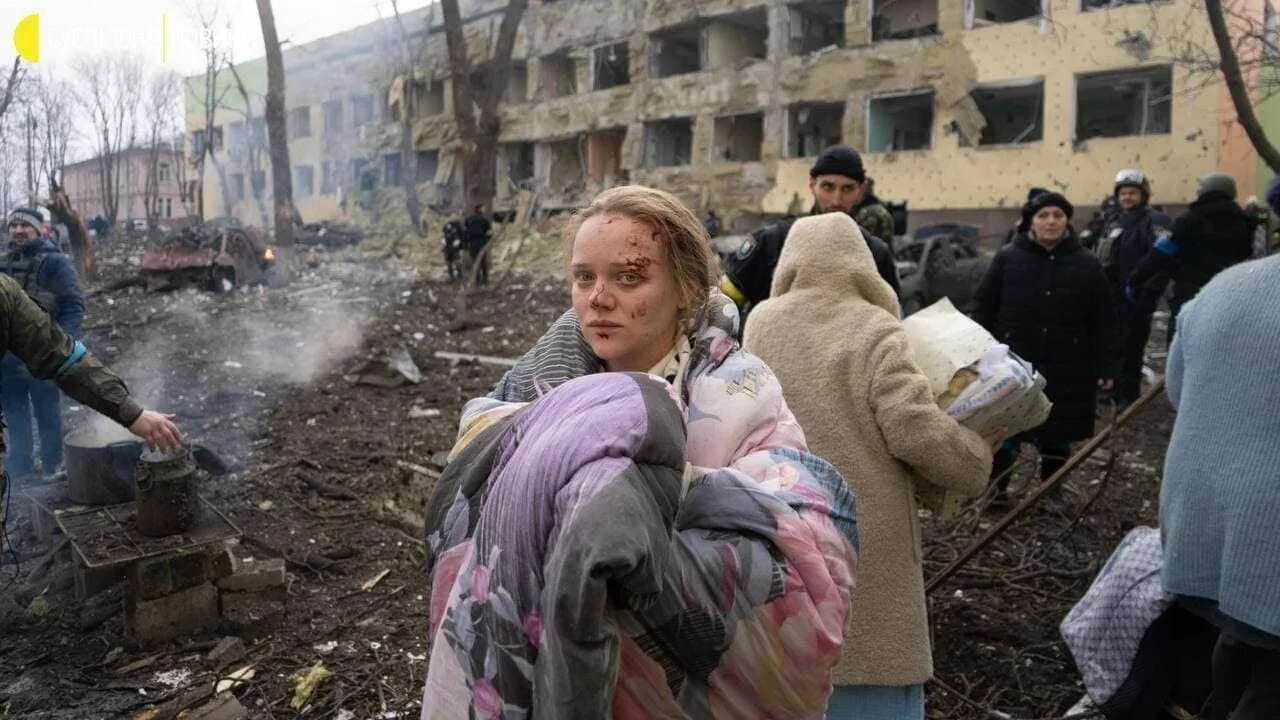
{"x": 269, "y": 255}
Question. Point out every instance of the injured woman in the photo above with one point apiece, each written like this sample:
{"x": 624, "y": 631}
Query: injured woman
{"x": 630, "y": 524}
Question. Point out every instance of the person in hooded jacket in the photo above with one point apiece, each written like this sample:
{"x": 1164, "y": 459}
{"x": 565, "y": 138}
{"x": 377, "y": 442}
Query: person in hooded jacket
{"x": 49, "y": 278}
{"x": 1046, "y": 297}
{"x": 839, "y": 183}
{"x": 1213, "y": 235}
{"x": 1123, "y": 243}
{"x": 853, "y": 384}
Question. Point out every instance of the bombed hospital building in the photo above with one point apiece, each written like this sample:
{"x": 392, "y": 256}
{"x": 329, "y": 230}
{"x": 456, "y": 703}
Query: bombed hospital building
{"x": 957, "y": 105}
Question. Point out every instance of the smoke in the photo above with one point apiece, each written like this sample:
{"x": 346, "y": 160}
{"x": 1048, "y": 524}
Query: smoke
{"x": 223, "y": 363}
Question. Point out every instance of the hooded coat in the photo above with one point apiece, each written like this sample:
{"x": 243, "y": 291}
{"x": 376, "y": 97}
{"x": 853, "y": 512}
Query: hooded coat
{"x": 831, "y": 334}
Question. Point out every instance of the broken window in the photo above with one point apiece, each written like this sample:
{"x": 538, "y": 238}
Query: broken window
{"x": 235, "y": 134}
{"x": 430, "y": 98}
{"x": 1014, "y": 113}
{"x": 903, "y": 19}
{"x": 559, "y": 77}
{"x": 1086, "y": 5}
{"x": 517, "y": 83}
{"x": 737, "y": 138}
{"x": 328, "y": 184}
{"x": 737, "y": 37}
{"x": 604, "y": 156}
{"x": 300, "y": 122}
{"x": 675, "y": 51}
{"x": 391, "y": 169}
{"x": 610, "y": 66}
{"x": 668, "y": 142}
{"x": 517, "y": 158}
{"x": 363, "y": 176}
{"x": 1127, "y": 102}
{"x": 814, "y": 25}
{"x": 332, "y": 116}
{"x": 811, "y": 127}
{"x": 303, "y": 181}
{"x": 390, "y": 111}
{"x": 900, "y": 122}
{"x": 981, "y": 13}
{"x": 237, "y": 187}
{"x": 362, "y": 110}
{"x": 562, "y": 160}
{"x": 428, "y": 163}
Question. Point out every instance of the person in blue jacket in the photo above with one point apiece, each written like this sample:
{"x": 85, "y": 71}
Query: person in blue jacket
{"x": 47, "y": 275}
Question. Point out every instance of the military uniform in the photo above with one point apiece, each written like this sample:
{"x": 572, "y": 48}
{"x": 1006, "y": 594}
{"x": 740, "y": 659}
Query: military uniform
{"x": 28, "y": 332}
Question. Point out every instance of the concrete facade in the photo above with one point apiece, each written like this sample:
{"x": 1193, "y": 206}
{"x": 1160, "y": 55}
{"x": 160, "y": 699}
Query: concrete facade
{"x": 959, "y": 106}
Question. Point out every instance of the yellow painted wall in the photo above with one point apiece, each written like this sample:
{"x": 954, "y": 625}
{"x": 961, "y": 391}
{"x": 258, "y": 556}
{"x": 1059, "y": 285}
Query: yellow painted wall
{"x": 1069, "y": 43}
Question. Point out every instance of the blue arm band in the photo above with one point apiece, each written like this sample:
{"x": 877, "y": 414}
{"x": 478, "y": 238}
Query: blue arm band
{"x": 1166, "y": 246}
{"x": 77, "y": 352}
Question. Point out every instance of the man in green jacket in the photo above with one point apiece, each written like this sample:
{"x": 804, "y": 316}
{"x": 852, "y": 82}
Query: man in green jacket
{"x": 28, "y": 332}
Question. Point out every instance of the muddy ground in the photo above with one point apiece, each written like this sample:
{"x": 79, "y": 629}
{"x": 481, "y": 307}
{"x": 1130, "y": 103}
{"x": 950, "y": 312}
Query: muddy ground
{"x": 331, "y": 472}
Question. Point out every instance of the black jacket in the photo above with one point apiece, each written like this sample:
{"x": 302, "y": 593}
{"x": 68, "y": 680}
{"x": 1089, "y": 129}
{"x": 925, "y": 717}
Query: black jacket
{"x": 751, "y": 267}
{"x": 1213, "y": 235}
{"x": 477, "y": 229}
{"x": 1053, "y": 308}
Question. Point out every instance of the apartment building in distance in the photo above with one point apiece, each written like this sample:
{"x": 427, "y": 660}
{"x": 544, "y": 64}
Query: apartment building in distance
{"x": 83, "y": 184}
{"x": 958, "y": 105}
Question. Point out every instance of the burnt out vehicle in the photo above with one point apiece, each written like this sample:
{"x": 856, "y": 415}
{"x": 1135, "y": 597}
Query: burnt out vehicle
{"x": 938, "y": 261}
{"x": 217, "y": 255}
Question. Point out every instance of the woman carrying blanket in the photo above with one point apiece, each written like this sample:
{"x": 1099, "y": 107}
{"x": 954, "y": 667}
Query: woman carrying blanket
{"x": 631, "y": 525}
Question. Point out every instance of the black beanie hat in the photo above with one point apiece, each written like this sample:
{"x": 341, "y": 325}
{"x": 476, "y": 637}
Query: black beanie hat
{"x": 839, "y": 160}
{"x": 1035, "y": 192}
{"x": 1044, "y": 200}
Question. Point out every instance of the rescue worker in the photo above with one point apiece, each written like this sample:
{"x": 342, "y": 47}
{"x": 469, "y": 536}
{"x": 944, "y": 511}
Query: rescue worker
{"x": 1213, "y": 235}
{"x": 1125, "y": 240}
{"x": 46, "y": 274}
{"x": 839, "y": 183}
{"x": 451, "y": 246}
{"x": 28, "y": 332}
{"x": 477, "y": 232}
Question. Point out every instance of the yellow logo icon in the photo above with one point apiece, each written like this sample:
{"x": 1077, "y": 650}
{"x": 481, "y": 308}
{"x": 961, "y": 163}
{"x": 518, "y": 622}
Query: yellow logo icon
{"x": 26, "y": 38}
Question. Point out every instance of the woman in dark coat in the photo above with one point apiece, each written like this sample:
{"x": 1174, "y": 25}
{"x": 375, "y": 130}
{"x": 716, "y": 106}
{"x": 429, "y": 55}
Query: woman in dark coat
{"x": 1046, "y": 297}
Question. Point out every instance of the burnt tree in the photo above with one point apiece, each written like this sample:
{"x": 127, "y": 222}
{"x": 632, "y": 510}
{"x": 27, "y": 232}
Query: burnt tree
{"x": 277, "y": 140}
{"x": 476, "y": 113}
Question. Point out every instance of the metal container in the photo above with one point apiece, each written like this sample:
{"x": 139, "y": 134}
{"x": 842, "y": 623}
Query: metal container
{"x": 100, "y": 472}
{"x": 167, "y": 482}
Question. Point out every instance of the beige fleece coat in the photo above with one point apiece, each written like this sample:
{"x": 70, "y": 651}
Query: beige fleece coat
{"x": 831, "y": 334}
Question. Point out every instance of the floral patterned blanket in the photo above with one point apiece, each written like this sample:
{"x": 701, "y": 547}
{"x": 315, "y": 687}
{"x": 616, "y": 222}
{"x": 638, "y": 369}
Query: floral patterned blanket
{"x": 583, "y": 566}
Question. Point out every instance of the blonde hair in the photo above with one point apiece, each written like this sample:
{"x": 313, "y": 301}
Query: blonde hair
{"x": 681, "y": 235}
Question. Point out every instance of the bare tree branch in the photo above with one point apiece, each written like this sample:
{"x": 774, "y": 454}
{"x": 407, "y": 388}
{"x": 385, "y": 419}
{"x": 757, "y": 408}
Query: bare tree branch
{"x": 1230, "y": 66}
{"x": 15, "y": 78}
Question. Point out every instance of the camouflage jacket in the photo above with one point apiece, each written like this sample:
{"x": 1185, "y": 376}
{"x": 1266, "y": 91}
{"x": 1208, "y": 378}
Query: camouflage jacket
{"x": 875, "y": 219}
{"x": 27, "y": 331}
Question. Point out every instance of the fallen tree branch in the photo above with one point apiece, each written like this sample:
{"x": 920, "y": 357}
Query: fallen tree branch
{"x": 1045, "y": 487}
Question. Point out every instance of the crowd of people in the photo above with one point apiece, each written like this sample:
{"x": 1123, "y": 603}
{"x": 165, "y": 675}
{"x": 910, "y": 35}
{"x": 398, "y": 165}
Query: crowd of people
{"x": 798, "y": 355}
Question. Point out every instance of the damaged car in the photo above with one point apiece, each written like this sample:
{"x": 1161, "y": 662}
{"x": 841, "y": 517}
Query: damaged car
{"x": 942, "y": 260}
{"x": 218, "y": 255}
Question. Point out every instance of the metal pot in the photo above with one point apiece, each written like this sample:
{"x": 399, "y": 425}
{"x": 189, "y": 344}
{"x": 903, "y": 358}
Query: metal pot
{"x": 100, "y": 473}
{"x": 167, "y": 483}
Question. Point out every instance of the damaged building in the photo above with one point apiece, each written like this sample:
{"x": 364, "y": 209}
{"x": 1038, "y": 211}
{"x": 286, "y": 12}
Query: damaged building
{"x": 959, "y": 106}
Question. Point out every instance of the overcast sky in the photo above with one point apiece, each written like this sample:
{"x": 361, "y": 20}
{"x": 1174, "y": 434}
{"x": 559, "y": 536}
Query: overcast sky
{"x": 70, "y": 27}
